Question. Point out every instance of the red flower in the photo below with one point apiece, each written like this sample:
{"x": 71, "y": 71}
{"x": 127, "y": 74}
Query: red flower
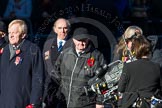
{"x": 17, "y": 51}
{"x": 30, "y": 106}
{"x": 90, "y": 61}
{"x": 1, "y": 50}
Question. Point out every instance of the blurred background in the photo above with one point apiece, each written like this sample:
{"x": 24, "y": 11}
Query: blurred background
{"x": 41, "y": 14}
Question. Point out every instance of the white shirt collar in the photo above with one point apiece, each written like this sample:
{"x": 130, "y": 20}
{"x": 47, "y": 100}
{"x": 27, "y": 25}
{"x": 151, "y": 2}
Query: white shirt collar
{"x": 63, "y": 42}
{"x": 79, "y": 53}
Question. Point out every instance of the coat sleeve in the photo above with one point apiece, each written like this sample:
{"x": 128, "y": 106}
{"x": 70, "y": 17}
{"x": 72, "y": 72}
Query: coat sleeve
{"x": 53, "y": 78}
{"x": 37, "y": 76}
{"x": 56, "y": 74}
{"x": 123, "y": 80}
{"x": 101, "y": 62}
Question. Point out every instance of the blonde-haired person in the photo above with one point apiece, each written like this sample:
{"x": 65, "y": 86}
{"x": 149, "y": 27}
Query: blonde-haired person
{"x": 22, "y": 25}
{"x": 122, "y": 49}
{"x": 21, "y": 70}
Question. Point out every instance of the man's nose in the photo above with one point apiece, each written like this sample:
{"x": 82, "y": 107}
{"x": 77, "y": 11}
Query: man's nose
{"x": 11, "y": 35}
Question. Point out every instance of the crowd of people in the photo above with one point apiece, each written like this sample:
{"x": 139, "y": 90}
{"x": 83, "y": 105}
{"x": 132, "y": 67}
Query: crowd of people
{"x": 57, "y": 76}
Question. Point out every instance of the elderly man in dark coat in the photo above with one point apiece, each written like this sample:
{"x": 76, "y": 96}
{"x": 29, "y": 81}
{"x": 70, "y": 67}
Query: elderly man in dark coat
{"x": 58, "y": 40}
{"x": 21, "y": 70}
{"x": 73, "y": 69}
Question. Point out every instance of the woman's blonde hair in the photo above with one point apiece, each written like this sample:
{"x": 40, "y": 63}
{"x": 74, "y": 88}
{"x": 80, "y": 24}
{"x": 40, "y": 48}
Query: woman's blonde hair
{"x": 128, "y": 34}
{"x": 132, "y": 30}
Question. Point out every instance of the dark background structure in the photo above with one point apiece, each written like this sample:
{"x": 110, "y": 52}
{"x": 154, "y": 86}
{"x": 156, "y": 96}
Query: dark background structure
{"x": 146, "y": 14}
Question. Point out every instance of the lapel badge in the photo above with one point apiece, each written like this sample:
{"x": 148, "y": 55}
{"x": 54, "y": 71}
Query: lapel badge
{"x": 18, "y": 60}
{"x": 46, "y": 55}
{"x": 1, "y": 50}
{"x": 17, "y": 51}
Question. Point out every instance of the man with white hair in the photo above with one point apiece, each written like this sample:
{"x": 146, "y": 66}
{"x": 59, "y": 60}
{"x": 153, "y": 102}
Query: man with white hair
{"x": 21, "y": 70}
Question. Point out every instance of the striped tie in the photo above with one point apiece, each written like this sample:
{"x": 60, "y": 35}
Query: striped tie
{"x": 60, "y": 46}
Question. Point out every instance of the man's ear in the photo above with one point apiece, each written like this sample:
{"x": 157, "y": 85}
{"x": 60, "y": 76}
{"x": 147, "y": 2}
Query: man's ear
{"x": 54, "y": 29}
{"x": 23, "y": 35}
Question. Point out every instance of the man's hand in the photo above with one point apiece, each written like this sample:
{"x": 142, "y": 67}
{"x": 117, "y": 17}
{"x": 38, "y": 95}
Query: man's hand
{"x": 99, "y": 106}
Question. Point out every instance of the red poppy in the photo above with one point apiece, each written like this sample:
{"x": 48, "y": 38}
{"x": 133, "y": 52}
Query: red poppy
{"x": 90, "y": 61}
{"x": 17, "y": 51}
{"x": 30, "y": 106}
{"x": 1, "y": 50}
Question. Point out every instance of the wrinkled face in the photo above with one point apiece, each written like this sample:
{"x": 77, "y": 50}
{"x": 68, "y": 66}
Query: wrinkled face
{"x": 61, "y": 29}
{"x": 80, "y": 45}
{"x": 14, "y": 34}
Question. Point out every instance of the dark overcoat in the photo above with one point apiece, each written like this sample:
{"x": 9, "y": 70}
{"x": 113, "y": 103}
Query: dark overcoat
{"x": 21, "y": 77}
{"x": 73, "y": 74}
{"x": 50, "y": 54}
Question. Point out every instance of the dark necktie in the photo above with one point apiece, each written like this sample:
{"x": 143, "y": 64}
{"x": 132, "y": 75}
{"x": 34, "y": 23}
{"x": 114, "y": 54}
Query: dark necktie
{"x": 60, "y": 46}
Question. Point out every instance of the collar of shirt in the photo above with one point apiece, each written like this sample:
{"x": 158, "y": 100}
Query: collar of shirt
{"x": 63, "y": 42}
{"x": 18, "y": 46}
{"x": 79, "y": 53}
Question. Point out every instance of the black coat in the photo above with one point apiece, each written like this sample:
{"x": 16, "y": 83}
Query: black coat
{"x": 73, "y": 73}
{"x": 142, "y": 76}
{"x": 21, "y": 77}
{"x": 50, "y": 52}
{"x": 50, "y": 55}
